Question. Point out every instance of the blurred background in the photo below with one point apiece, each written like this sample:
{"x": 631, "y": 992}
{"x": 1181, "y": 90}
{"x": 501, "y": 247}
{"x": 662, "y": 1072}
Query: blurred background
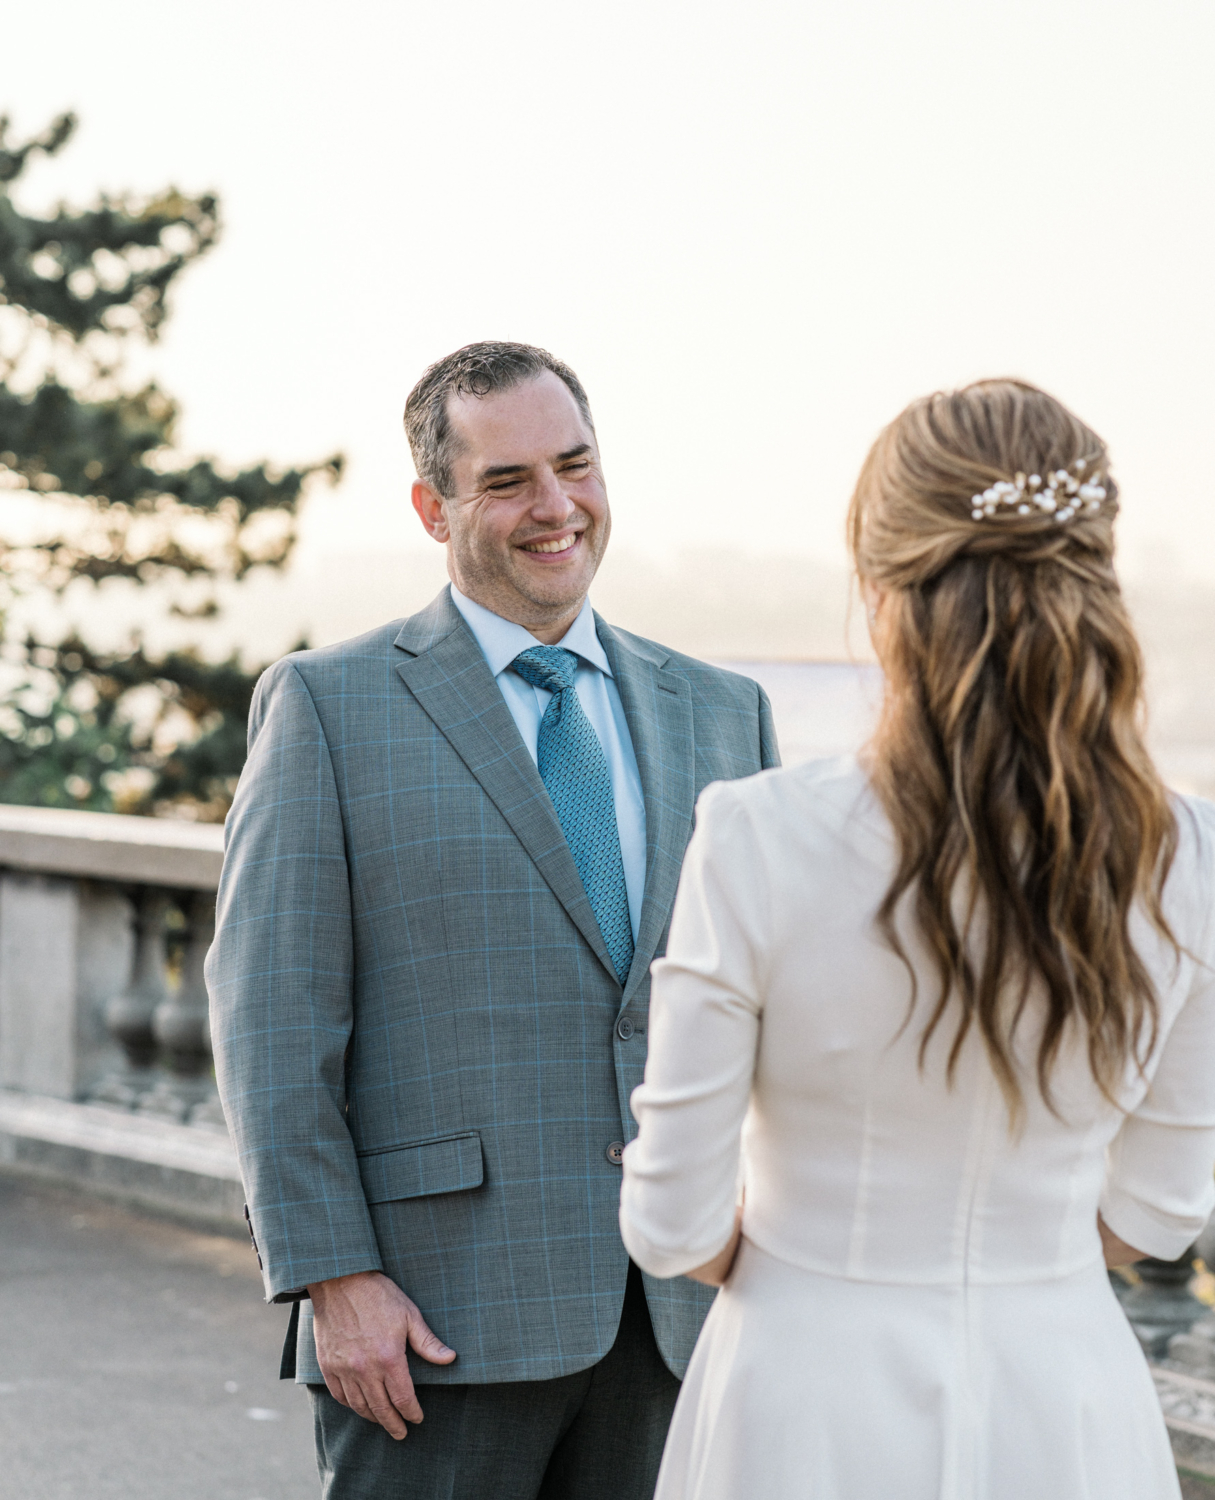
{"x": 755, "y": 232}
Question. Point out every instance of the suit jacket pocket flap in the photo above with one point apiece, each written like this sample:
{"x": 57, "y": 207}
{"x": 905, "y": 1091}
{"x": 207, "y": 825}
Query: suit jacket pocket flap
{"x": 451, "y": 1164}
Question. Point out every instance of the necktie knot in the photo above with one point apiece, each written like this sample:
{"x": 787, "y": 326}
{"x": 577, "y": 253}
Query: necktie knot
{"x": 549, "y": 667}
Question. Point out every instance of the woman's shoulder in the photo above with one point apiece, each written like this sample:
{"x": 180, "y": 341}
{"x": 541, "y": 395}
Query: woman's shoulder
{"x": 1197, "y": 815}
{"x": 830, "y": 795}
{"x": 1192, "y": 877}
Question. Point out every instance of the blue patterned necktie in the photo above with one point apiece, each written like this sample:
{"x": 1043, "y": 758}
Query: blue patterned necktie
{"x": 575, "y": 771}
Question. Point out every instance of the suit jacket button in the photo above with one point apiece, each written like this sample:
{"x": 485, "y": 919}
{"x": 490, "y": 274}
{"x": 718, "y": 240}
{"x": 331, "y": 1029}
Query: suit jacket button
{"x": 624, "y": 1028}
{"x": 615, "y": 1153}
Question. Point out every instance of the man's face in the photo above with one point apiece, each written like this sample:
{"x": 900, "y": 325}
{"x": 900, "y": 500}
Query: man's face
{"x": 528, "y": 521}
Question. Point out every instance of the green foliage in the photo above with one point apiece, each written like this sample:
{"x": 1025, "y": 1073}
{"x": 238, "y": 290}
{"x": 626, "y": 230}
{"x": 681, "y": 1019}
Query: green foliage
{"x": 104, "y": 731}
{"x": 65, "y": 748}
{"x": 106, "y": 268}
{"x": 76, "y": 288}
{"x": 98, "y": 452}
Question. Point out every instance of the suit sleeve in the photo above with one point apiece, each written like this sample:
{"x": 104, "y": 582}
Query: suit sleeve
{"x": 279, "y": 976}
{"x": 1159, "y": 1190}
{"x": 769, "y": 750}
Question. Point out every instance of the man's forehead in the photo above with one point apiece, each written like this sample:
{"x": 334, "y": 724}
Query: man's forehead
{"x": 536, "y": 418}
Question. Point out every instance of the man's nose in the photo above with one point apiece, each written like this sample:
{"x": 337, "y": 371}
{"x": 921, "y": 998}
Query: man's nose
{"x": 551, "y": 503}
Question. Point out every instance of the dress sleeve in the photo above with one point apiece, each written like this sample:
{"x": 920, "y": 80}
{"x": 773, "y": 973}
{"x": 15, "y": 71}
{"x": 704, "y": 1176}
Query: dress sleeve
{"x": 681, "y": 1173}
{"x": 1160, "y": 1188}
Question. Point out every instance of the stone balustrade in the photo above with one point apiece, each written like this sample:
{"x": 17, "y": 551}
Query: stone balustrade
{"x": 105, "y": 922}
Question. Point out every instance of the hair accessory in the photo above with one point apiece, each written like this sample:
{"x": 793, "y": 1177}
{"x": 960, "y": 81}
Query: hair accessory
{"x": 1062, "y": 494}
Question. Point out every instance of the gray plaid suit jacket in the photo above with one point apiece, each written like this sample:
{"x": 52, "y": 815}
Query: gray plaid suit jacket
{"x": 421, "y": 1044}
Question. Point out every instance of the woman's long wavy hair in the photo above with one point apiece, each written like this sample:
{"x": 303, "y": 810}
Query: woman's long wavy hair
{"x": 1009, "y": 757}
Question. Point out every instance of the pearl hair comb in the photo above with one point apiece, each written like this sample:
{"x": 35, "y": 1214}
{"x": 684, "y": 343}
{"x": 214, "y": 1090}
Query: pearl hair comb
{"x": 1063, "y": 494}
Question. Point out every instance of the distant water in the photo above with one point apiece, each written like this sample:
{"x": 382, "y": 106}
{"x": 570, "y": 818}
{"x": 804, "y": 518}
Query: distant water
{"x": 821, "y": 708}
{"x": 827, "y": 708}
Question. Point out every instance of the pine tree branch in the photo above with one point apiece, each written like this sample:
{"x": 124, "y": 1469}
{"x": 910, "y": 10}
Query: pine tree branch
{"x": 14, "y": 158}
{"x": 122, "y": 503}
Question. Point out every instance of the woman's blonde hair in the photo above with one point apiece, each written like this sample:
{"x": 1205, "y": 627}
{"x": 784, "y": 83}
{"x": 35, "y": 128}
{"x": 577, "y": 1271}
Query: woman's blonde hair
{"x": 1009, "y": 755}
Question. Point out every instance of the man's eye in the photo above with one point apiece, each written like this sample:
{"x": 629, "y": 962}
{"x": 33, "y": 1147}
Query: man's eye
{"x": 577, "y": 468}
{"x": 506, "y": 484}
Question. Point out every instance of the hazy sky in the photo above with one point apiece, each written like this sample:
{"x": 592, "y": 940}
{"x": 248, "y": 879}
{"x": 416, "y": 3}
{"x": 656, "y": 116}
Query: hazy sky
{"x": 755, "y": 230}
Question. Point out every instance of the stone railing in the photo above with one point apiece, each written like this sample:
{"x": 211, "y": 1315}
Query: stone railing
{"x": 104, "y": 925}
{"x": 105, "y": 1057}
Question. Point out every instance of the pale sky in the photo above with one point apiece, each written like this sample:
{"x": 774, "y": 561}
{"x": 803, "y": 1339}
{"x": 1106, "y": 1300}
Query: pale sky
{"x": 755, "y": 230}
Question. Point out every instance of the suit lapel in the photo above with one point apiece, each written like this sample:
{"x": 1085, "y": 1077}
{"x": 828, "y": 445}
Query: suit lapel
{"x": 448, "y": 676}
{"x": 658, "y": 707}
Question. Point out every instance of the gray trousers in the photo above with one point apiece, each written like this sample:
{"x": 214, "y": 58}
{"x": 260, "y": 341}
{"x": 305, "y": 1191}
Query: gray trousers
{"x": 596, "y": 1435}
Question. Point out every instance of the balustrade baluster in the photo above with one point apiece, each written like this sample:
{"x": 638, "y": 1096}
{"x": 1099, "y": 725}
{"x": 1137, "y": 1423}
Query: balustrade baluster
{"x": 210, "y": 1113}
{"x": 1160, "y": 1305}
{"x": 180, "y": 1024}
{"x": 128, "y": 1015}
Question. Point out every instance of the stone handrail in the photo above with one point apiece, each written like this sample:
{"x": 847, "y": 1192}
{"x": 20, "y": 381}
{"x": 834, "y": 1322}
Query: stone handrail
{"x": 111, "y": 846}
{"x": 104, "y": 924}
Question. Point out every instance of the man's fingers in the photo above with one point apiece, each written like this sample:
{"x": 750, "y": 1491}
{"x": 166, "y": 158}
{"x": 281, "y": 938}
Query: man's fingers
{"x": 404, "y": 1397}
{"x": 354, "y": 1396}
{"x": 422, "y": 1341}
{"x": 363, "y": 1403}
{"x": 362, "y": 1324}
{"x": 381, "y": 1409}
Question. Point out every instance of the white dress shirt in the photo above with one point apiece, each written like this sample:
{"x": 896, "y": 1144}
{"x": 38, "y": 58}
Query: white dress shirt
{"x": 500, "y": 642}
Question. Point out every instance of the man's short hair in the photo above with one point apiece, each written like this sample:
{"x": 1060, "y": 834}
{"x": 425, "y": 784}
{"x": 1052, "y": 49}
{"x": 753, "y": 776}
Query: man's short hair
{"x": 475, "y": 370}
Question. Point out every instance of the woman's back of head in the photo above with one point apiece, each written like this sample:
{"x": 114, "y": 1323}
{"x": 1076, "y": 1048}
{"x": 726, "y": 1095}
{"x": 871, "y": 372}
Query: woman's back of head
{"x": 1029, "y": 817}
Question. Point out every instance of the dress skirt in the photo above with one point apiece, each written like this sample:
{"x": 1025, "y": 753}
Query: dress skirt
{"x": 812, "y": 1387}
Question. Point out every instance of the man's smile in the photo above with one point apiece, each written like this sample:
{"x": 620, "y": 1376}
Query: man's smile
{"x": 552, "y": 547}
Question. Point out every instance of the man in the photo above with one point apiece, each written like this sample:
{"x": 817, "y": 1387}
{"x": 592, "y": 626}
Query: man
{"x": 450, "y": 862}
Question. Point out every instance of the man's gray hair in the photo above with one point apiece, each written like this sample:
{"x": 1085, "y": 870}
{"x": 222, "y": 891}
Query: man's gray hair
{"x": 475, "y": 370}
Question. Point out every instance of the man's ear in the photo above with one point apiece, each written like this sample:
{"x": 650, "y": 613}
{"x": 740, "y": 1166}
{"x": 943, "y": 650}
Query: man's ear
{"x": 431, "y": 513}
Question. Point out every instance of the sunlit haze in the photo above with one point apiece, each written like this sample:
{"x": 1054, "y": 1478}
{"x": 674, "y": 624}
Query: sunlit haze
{"x": 755, "y": 231}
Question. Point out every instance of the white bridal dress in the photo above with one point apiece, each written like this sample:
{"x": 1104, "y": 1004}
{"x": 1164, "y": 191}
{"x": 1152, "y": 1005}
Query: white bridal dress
{"x": 919, "y": 1308}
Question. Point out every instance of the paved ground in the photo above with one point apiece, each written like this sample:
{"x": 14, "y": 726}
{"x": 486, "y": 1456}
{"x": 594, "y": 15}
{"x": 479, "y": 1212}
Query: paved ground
{"x": 138, "y": 1361}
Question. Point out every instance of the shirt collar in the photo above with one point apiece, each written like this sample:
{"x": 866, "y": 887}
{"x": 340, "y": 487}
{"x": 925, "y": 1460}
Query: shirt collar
{"x": 502, "y": 640}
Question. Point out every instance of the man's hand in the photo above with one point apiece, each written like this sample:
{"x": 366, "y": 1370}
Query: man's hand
{"x": 362, "y": 1325}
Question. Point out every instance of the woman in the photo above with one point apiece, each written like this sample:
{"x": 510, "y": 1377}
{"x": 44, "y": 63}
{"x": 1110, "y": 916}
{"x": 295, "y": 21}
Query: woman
{"x": 956, "y": 1003}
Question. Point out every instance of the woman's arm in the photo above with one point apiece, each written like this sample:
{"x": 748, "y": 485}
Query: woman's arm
{"x": 681, "y": 1175}
{"x": 1117, "y": 1252}
{"x": 716, "y": 1272}
{"x": 1159, "y": 1190}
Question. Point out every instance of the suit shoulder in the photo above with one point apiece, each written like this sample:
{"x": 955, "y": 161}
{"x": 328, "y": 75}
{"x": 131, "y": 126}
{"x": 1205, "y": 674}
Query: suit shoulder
{"x": 701, "y": 674}
{"x": 373, "y": 646}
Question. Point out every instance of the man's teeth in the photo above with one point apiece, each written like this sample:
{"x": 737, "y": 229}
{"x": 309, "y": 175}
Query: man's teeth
{"x": 562, "y": 546}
